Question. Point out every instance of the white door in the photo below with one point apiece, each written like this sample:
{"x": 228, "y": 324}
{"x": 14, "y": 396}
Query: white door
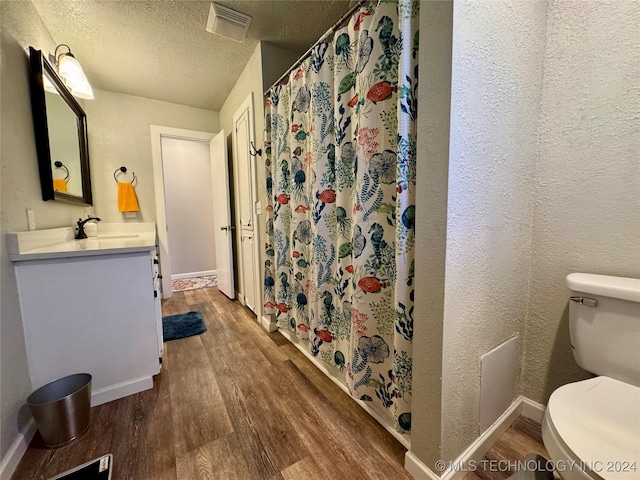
{"x": 248, "y": 262}
{"x": 242, "y": 141}
{"x": 222, "y": 213}
{"x": 246, "y": 193}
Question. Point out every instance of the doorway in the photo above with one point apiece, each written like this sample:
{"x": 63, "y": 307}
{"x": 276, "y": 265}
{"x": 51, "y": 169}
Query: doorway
{"x": 189, "y": 207}
{"x": 193, "y": 208}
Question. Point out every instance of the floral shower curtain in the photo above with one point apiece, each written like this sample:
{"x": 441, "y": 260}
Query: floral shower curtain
{"x": 341, "y": 171}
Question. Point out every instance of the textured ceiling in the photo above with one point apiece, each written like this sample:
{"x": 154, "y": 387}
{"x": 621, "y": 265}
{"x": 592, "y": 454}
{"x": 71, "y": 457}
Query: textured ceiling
{"x": 160, "y": 49}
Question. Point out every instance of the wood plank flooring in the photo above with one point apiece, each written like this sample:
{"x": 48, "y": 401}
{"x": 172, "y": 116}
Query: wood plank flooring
{"x": 232, "y": 403}
{"x": 522, "y": 438}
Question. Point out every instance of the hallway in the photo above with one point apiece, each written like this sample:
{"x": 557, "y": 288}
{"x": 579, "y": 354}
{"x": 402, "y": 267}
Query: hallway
{"x": 232, "y": 403}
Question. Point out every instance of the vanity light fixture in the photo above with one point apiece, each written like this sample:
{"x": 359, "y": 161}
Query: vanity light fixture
{"x": 48, "y": 86}
{"x": 72, "y": 74}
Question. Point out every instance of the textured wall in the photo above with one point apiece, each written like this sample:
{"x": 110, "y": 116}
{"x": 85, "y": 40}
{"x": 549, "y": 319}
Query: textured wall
{"x": 20, "y": 189}
{"x": 587, "y": 188}
{"x": 436, "y": 25}
{"x": 275, "y": 61}
{"x": 497, "y": 70}
{"x": 250, "y": 80}
{"x": 266, "y": 64}
{"x": 119, "y": 134}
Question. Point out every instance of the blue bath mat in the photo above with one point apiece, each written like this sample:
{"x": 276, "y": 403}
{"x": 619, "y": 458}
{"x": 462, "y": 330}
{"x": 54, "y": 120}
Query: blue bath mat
{"x": 182, "y": 325}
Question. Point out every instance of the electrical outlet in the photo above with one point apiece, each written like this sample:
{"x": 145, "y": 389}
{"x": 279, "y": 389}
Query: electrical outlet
{"x": 31, "y": 219}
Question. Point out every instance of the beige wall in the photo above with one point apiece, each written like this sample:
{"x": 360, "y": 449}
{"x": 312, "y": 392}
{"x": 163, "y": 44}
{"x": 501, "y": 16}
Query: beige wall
{"x": 119, "y": 135}
{"x": 265, "y": 65}
{"x": 544, "y": 180}
{"x": 587, "y": 177}
{"x": 496, "y": 85}
{"x": 20, "y": 189}
{"x": 436, "y": 24}
{"x": 275, "y": 61}
{"x": 250, "y": 80}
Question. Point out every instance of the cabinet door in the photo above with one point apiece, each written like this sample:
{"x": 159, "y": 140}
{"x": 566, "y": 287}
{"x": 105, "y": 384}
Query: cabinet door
{"x": 248, "y": 271}
{"x": 243, "y": 136}
{"x": 158, "y": 304}
{"x": 111, "y": 333}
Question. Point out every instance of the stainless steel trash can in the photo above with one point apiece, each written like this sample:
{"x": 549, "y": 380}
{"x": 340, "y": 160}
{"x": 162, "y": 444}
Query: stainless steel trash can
{"x": 61, "y": 408}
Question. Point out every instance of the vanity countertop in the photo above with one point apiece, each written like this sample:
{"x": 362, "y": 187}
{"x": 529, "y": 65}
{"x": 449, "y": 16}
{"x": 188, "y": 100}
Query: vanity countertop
{"x": 112, "y": 238}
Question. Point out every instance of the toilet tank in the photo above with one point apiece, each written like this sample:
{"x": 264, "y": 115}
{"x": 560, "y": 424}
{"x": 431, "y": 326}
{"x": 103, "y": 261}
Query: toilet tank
{"x": 604, "y": 324}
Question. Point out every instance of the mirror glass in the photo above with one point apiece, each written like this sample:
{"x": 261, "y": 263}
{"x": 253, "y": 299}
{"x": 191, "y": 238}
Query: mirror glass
{"x": 61, "y": 136}
{"x": 63, "y": 144}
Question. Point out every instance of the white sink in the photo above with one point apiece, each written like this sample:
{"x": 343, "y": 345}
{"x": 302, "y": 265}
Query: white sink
{"x": 60, "y": 242}
{"x": 115, "y": 236}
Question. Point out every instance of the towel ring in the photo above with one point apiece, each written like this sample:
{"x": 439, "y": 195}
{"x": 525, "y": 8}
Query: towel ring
{"x": 59, "y": 164}
{"x": 123, "y": 170}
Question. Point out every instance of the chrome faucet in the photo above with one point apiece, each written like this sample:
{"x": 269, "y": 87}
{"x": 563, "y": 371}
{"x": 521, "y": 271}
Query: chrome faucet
{"x": 80, "y": 234}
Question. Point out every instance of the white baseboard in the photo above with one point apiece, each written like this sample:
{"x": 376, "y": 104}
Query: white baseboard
{"x": 17, "y": 449}
{"x": 533, "y": 410}
{"x": 455, "y": 469}
{"x": 119, "y": 390}
{"x": 417, "y": 469}
{"x": 181, "y": 276}
{"x": 268, "y": 324}
{"x": 405, "y": 440}
{"x": 240, "y": 298}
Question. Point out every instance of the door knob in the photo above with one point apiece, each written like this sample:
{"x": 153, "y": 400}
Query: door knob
{"x": 224, "y": 228}
{"x": 228, "y": 227}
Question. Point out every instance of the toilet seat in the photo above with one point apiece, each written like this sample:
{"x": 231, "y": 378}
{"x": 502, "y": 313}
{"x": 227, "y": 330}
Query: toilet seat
{"x": 597, "y": 422}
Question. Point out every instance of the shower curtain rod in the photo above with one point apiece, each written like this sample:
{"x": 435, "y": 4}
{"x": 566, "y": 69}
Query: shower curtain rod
{"x": 335, "y": 27}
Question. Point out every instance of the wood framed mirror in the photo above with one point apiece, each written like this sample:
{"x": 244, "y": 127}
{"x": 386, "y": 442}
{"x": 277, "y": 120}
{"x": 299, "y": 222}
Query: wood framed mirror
{"x": 61, "y": 135}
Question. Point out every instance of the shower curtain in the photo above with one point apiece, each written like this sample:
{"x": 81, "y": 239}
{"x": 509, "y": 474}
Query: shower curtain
{"x": 341, "y": 174}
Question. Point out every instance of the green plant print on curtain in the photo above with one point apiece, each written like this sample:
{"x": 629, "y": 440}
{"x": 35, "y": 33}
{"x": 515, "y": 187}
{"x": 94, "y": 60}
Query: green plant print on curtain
{"x": 341, "y": 175}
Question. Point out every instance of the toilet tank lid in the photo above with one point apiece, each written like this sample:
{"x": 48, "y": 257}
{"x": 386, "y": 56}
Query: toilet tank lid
{"x": 621, "y": 288}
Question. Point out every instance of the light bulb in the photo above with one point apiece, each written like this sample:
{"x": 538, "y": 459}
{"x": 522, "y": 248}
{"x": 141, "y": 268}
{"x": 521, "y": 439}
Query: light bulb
{"x": 82, "y": 90}
{"x": 69, "y": 67}
{"x": 48, "y": 86}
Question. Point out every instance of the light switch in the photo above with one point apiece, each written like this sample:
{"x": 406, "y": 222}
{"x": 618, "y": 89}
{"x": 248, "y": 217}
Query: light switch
{"x": 131, "y": 214}
{"x": 258, "y": 208}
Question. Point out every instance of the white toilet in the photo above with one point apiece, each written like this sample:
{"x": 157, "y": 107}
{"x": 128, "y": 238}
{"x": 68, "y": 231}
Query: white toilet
{"x": 591, "y": 428}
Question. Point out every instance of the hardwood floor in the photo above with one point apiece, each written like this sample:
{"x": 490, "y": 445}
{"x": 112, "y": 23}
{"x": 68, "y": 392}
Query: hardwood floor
{"x": 522, "y": 438}
{"x": 232, "y": 403}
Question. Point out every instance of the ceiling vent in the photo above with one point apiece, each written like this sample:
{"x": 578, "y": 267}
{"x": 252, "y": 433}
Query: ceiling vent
{"x": 227, "y": 23}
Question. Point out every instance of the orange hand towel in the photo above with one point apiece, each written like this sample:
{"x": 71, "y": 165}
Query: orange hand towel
{"x": 60, "y": 185}
{"x": 127, "y": 199}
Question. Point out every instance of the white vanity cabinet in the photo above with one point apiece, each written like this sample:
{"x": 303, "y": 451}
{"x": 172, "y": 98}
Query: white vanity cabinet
{"x": 93, "y": 312}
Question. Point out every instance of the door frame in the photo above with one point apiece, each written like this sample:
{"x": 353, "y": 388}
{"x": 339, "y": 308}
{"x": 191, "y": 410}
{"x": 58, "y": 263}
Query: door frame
{"x": 157, "y": 134}
{"x": 248, "y": 104}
